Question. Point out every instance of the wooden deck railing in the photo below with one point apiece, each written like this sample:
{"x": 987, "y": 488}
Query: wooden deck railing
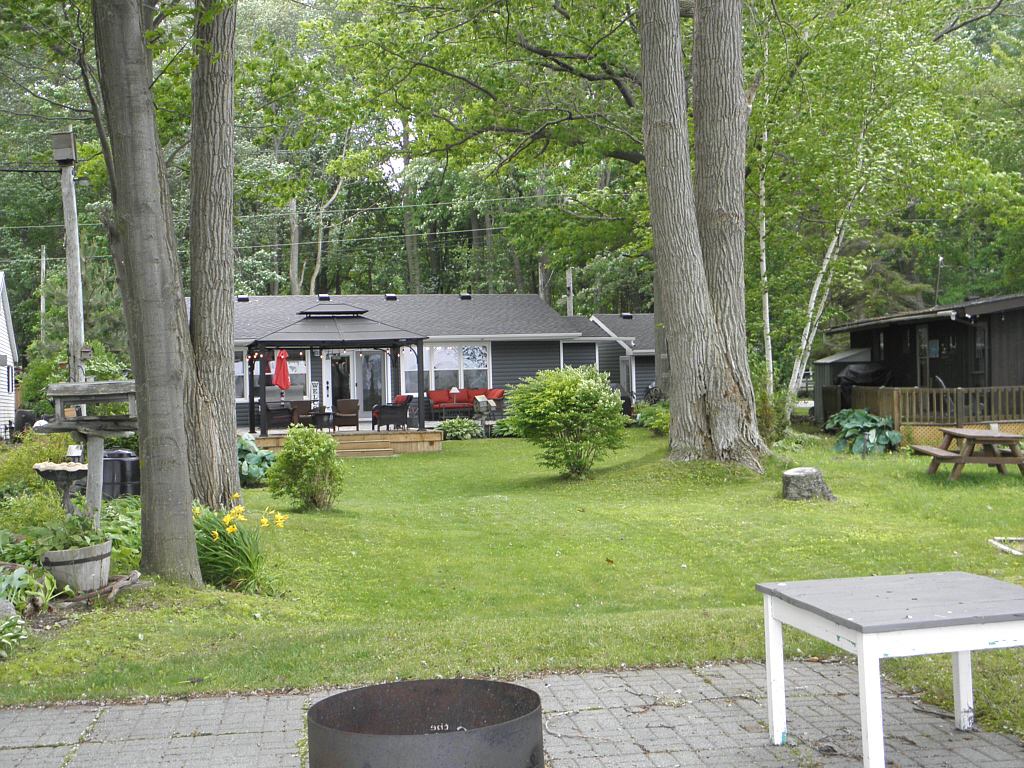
{"x": 945, "y": 407}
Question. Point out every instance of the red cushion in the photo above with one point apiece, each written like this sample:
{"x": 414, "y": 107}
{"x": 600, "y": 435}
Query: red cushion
{"x": 474, "y": 392}
{"x": 462, "y": 396}
{"x": 495, "y": 394}
{"x": 400, "y": 399}
{"x": 439, "y": 396}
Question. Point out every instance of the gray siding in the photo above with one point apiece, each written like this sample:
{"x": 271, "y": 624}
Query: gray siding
{"x": 644, "y": 372}
{"x": 1006, "y": 344}
{"x": 610, "y": 352}
{"x": 512, "y": 361}
{"x": 580, "y": 354}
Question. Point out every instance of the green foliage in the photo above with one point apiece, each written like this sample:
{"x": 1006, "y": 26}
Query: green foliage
{"x": 460, "y": 429}
{"x": 17, "y": 586}
{"x": 31, "y": 507}
{"x": 231, "y": 552}
{"x": 16, "y": 459}
{"x": 70, "y": 533}
{"x": 44, "y": 370}
{"x": 772, "y": 414}
{"x": 503, "y": 428}
{"x": 863, "y": 433}
{"x": 253, "y": 461}
{"x": 571, "y": 413}
{"x": 655, "y": 417}
{"x": 121, "y": 522}
{"x": 307, "y": 468}
{"x": 12, "y": 632}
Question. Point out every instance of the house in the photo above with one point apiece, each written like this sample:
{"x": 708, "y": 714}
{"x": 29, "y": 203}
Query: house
{"x": 8, "y": 359}
{"x": 373, "y": 347}
{"x": 958, "y": 363}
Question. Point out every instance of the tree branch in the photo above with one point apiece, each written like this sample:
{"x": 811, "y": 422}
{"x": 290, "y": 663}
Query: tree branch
{"x": 959, "y": 22}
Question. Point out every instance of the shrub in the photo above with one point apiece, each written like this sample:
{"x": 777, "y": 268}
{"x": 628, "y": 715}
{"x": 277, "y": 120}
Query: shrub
{"x": 503, "y": 428}
{"x": 31, "y": 507}
{"x": 772, "y": 414}
{"x": 654, "y": 417}
{"x": 253, "y": 462}
{"x": 307, "y": 468}
{"x": 231, "y": 552}
{"x": 460, "y": 429}
{"x": 571, "y": 413}
{"x": 16, "y": 460}
{"x": 862, "y": 432}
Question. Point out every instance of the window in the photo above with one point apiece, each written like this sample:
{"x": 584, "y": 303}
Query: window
{"x": 297, "y": 368}
{"x": 448, "y": 365}
{"x": 240, "y": 374}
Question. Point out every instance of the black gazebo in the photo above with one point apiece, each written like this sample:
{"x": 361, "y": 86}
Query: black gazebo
{"x": 330, "y": 326}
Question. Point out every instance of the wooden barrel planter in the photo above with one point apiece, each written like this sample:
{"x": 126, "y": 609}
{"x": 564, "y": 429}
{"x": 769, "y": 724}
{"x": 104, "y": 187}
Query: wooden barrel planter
{"x": 83, "y": 569}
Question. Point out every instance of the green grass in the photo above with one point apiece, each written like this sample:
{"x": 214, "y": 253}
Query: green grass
{"x": 476, "y": 561}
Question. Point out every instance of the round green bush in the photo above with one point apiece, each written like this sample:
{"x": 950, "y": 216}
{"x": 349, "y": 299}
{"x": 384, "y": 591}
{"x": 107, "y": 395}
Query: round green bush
{"x": 307, "y": 468}
{"x": 571, "y": 413}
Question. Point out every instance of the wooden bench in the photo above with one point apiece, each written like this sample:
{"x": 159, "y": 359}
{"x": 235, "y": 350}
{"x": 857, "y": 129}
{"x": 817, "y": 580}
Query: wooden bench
{"x": 942, "y": 455}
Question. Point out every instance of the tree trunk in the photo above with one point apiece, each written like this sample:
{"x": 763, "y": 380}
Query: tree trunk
{"x": 294, "y": 278}
{"x": 720, "y": 116}
{"x": 210, "y": 395}
{"x": 142, "y": 242}
{"x": 412, "y": 256}
{"x": 711, "y": 414}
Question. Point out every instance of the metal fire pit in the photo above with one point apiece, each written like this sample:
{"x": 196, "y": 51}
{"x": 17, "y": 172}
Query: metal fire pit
{"x": 428, "y": 724}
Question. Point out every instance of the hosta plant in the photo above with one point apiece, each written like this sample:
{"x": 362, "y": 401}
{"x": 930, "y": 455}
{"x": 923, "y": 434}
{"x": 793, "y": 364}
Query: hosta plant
{"x": 862, "y": 433}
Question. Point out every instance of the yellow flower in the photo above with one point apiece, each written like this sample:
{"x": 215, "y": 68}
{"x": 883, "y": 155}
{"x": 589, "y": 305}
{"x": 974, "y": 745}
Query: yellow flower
{"x": 239, "y": 516}
{"x": 231, "y": 529}
{"x": 214, "y": 535}
{"x": 236, "y": 495}
{"x": 227, "y": 519}
{"x": 264, "y": 523}
{"x": 279, "y": 524}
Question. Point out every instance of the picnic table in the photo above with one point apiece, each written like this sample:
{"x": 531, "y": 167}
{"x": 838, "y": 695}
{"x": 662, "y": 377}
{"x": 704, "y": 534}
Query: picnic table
{"x": 989, "y": 442}
{"x": 878, "y": 617}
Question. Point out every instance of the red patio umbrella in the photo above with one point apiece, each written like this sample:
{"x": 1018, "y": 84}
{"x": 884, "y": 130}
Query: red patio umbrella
{"x": 281, "y": 379}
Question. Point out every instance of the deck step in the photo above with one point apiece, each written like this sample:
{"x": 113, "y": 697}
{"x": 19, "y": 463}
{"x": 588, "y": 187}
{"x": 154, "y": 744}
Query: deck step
{"x": 364, "y": 453}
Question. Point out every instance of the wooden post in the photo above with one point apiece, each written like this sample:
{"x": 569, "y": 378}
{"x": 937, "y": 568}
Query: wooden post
{"x": 94, "y": 484}
{"x": 76, "y": 320}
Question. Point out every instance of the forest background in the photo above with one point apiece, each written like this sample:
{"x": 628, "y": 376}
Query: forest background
{"x": 489, "y": 146}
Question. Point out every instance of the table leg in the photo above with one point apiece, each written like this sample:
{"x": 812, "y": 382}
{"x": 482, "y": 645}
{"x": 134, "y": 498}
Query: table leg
{"x": 776, "y": 674}
{"x": 963, "y": 691}
{"x": 1015, "y": 451}
{"x": 990, "y": 450}
{"x": 872, "y": 729}
{"x": 958, "y": 467}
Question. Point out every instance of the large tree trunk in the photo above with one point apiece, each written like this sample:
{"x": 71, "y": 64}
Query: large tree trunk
{"x": 210, "y": 395}
{"x": 143, "y": 245}
{"x": 721, "y": 109}
{"x": 710, "y": 412}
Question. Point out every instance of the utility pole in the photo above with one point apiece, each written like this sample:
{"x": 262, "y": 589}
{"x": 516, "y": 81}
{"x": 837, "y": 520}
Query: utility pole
{"x": 66, "y": 155}
{"x": 569, "y": 293}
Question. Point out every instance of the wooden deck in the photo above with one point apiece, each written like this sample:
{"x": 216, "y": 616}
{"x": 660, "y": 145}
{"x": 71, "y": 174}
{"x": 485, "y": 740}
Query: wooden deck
{"x": 920, "y": 412}
{"x": 365, "y": 443}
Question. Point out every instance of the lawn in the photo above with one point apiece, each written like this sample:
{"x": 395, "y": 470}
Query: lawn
{"x": 476, "y": 561}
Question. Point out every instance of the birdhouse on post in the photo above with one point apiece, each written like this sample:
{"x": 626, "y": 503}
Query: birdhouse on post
{"x": 65, "y": 151}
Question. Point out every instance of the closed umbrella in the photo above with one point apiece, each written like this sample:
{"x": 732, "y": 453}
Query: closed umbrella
{"x": 281, "y": 379}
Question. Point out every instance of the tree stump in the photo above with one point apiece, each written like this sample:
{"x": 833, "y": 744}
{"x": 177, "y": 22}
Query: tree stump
{"x": 802, "y": 483}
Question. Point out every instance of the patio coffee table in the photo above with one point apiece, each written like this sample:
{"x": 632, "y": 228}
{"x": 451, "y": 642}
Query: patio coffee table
{"x": 877, "y": 617}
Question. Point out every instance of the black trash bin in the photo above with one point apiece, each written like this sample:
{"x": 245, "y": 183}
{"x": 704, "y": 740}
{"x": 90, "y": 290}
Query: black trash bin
{"x": 120, "y": 473}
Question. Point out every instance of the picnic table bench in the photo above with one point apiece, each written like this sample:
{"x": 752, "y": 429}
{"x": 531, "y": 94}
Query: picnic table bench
{"x": 970, "y": 439}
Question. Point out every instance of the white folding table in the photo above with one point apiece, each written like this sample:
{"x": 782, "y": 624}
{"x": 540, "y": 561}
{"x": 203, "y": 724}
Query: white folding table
{"x": 877, "y": 617}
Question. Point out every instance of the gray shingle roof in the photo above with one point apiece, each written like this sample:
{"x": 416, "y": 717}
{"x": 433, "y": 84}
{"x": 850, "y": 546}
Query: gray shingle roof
{"x": 437, "y": 316}
{"x": 639, "y": 327}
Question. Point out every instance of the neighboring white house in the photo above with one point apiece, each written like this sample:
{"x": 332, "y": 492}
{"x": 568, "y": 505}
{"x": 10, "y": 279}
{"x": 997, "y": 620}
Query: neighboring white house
{"x": 8, "y": 357}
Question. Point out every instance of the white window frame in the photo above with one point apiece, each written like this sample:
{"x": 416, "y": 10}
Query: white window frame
{"x": 428, "y": 363}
